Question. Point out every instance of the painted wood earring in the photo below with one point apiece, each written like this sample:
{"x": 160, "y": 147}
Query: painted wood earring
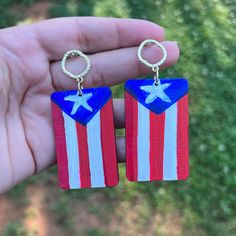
{"x": 84, "y": 133}
{"x": 156, "y": 125}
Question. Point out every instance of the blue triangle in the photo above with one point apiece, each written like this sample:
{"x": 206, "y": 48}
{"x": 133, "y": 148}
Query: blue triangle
{"x": 177, "y": 89}
{"x": 99, "y": 98}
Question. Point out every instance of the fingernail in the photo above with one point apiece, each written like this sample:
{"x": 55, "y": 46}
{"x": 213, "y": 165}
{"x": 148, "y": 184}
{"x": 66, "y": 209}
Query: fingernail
{"x": 173, "y": 51}
{"x": 176, "y": 42}
{"x": 171, "y": 43}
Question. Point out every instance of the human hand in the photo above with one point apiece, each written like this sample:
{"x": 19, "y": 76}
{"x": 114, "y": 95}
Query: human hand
{"x": 30, "y": 71}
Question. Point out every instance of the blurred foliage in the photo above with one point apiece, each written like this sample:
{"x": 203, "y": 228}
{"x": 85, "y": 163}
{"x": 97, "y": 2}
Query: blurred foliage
{"x": 14, "y": 229}
{"x": 206, "y": 32}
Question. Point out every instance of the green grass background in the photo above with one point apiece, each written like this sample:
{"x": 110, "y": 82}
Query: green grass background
{"x": 206, "y": 32}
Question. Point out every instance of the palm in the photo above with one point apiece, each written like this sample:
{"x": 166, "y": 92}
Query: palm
{"x": 28, "y": 137}
{"x": 30, "y": 72}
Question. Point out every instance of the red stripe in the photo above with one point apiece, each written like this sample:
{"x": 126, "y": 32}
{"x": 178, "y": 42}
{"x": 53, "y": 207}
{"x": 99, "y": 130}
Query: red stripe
{"x": 108, "y": 143}
{"x": 83, "y": 156}
{"x": 182, "y": 139}
{"x": 131, "y": 127}
{"x": 157, "y": 126}
{"x": 60, "y": 142}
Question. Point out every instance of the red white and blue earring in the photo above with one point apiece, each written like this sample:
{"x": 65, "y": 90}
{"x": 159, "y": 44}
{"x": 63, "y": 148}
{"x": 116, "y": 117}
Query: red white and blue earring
{"x": 156, "y": 125}
{"x": 84, "y": 133}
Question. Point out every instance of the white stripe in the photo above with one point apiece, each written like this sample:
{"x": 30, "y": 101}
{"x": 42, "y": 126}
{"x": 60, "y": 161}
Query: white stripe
{"x": 143, "y": 143}
{"x": 95, "y": 152}
{"x": 170, "y": 144}
{"x": 72, "y": 152}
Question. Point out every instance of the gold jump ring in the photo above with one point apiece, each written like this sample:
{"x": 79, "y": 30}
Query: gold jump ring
{"x": 154, "y": 66}
{"x": 73, "y": 53}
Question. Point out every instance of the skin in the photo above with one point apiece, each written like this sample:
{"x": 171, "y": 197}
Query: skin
{"x": 30, "y": 71}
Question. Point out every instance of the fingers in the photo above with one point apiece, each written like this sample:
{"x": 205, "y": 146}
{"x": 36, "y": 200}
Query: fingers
{"x": 113, "y": 67}
{"x": 93, "y": 34}
{"x": 120, "y": 146}
{"x": 119, "y": 112}
{"x": 119, "y": 117}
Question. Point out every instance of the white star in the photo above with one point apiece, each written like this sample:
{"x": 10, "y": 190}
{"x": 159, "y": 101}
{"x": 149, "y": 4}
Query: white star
{"x": 156, "y": 91}
{"x": 79, "y": 101}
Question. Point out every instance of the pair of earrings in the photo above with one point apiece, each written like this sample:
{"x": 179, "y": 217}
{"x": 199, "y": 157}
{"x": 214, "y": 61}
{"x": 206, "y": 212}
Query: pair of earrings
{"x": 156, "y": 129}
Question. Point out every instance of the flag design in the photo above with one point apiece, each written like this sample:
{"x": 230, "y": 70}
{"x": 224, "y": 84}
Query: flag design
{"x": 85, "y": 139}
{"x": 157, "y": 131}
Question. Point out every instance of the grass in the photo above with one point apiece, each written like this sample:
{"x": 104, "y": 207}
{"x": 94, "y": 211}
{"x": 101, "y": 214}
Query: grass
{"x": 206, "y": 203}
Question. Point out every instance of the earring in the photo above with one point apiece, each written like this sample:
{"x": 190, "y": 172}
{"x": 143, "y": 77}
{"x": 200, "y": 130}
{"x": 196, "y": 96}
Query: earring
{"x": 156, "y": 125}
{"x": 84, "y": 133}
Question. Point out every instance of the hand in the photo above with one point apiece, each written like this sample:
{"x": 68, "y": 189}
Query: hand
{"x": 30, "y": 71}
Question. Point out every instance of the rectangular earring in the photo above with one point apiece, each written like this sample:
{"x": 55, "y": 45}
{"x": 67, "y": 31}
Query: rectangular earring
{"x": 84, "y": 134}
{"x": 157, "y": 145}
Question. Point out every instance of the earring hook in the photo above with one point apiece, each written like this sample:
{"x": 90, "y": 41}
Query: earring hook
{"x": 154, "y": 66}
{"x": 77, "y": 77}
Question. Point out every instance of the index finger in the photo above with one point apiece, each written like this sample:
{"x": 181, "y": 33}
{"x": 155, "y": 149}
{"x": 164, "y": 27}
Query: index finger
{"x": 93, "y": 34}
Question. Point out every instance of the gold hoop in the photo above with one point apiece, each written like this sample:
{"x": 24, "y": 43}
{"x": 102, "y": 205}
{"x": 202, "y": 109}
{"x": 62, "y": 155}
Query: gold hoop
{"x": 74, "y": 53}
{"x": 154, "y": 66}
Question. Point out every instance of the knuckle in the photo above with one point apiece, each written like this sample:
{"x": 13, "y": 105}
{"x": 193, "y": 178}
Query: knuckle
{"x": 83, "y": 39}
{"x": 98, "y": 78}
